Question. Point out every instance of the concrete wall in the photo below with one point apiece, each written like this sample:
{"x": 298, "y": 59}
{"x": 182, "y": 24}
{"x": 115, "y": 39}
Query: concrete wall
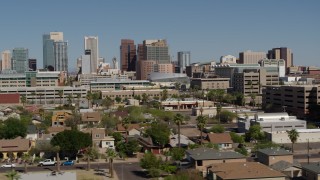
{"x": 282, "y": 137}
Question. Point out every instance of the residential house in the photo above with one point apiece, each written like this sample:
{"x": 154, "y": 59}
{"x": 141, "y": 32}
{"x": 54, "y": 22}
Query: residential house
{"x": 243, "y": 171}
{"x": 14, "y": 148}
{"x": 32, "y": 132}
{"x": 59, "y": 117}
{"x": 119, "y": 114}
{"x": 92, "y": 118}
{"x": 201, "y": 160}
{"x": 99, "y": 137}
{"x": 148, "y": 145}
{"x": 292, "y": 170}
{"x": 223, "y": 140}
{"x": 311, "y": 171}
{"x": 184, "y": 141}
{"x": 269, "y": 156}
{"x": 133, "y": 129}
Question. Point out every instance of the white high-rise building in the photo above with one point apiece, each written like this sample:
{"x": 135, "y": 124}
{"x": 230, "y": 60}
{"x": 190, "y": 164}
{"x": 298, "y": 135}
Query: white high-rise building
{"x": 6, "y": 60}
{"x": 228, "y": 59}
{"x": 91, "y": 43}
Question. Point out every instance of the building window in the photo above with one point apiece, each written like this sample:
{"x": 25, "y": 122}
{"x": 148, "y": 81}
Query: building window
{"x": 97, "y": 135}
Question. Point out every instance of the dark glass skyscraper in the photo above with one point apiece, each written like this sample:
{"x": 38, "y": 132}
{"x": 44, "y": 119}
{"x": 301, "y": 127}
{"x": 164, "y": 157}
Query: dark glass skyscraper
{"x": 128, "y": 55}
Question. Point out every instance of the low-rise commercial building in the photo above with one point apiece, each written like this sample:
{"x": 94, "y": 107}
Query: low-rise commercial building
{"x": 305, "y": 135}
{"x": 210, "y": 83}
{"x": 128, "y": 94}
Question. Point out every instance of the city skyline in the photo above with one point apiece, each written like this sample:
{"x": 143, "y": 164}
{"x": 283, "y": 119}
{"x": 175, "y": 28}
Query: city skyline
{"x": 207, "y": 29}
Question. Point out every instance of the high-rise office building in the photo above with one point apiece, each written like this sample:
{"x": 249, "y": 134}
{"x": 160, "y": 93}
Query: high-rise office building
{"x": 156, "y": 50}
{"x": 282, "y": 53}
{"x": 128, "y": 56}
{"x": 91, "y": 43}
{"x": 55, "y": 52}
{"x": 184, "y": 59}
{"x": 61, "y": 55}
{"x": 20, "y": 58}
{"x": 6, "y": 60}
{"x": 32, "y": 64}
{"x": 250, "y": 57}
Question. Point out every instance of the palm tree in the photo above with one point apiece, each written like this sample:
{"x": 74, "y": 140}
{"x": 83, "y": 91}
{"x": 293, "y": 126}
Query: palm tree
{"x": 219, "y": 111}
{"x": 25, "y": 158}
{"x": 60, "y": 93}
{"x": 293, "y": 136}
{"x": 78, "y": 98}
{"x": 57, "y": 149}
{"x": 33, "y": 95}
{"x": 13, "y": 175}
{"x": 125, "y": 123}
{"x": 178, "y": 119}
{"x": 111, "y": 154}
{"x": 40, "y": 96}
{"x": 89, "y": 154}
{"x": 23, "y": 99}
{"x": 201, "y": 122}
{"x": 89, "y": 98}
{"x": 70, "y": 100}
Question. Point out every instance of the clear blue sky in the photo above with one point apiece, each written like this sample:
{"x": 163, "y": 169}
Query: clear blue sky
{"x": 207, "y": 28}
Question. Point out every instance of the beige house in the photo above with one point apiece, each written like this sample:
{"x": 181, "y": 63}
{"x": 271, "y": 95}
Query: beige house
{"x": 311, "y": 171}
{"x": 99, "y": 137}
{"x": 243, "y": 171}
{"x": 269, "y": 156}
{"x": 14, "y": 148}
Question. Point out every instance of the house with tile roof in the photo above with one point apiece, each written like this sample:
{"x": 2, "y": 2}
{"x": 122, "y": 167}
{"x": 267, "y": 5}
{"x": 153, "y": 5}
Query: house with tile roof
{"x": 223, "y": 140}
{"x": 99, "y": 137}
{"x": 243, "y": 171}
{"x": 133, "y": 129}
{"x": 14, "y": 148}
{"x": 91, "y": 118}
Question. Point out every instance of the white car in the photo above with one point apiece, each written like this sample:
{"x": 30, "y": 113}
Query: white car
{"x": 8, "y": 165}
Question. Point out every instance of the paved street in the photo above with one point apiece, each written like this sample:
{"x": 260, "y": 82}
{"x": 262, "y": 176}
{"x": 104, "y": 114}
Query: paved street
{"x": 130, "y": 171}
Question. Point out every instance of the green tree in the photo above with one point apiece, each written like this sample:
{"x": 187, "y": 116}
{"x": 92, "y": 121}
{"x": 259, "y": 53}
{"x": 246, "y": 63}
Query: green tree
{"x": 33, "y": 94}
{"x": 177, "y": 154}
{"x": 71, "y": 140}
{"x": 145, "y": 98}
{"x": 242, "y": 151}
{"x": 40, "y": 96}
{"x": 60, "y": 94}
{"x": 107, "y": 102}
{"x": 236, "y": 138}
{"x": 159, "y": 132}
{"x": 111, "y": 154}
{"x": 178, "y": 119}
{"x": 227, "y": 116}
{"x": 69, "y": 100}
{"x": 164, "y": 95}
{"x": 150, "y": 162}
{"x": 12, "y": 128}
{"x": 73, "y": 121}
{"x": 201, "y": 123}
{"x": 89, "y": 154}
{"x": 217, "y": 129}
{"x": 117, "y": 137}
{"x": 118, "y": 99}
{"x": 253, "y": 99}
{"x": 128, "y": 148}
{"x": 255, "y": 133}
{"x": 293, "y": 135}
{"x": 12, "y": 175}
{"x": 23, "y": 99}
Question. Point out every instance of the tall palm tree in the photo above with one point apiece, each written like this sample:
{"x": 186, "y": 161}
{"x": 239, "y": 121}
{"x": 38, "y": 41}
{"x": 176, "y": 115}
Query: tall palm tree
{"x": 201, "y": 123}
{"x": 125, "y": 123}
{"x": 60, "y": 93}
{"x": 78, "y": 100}
{"x": 13, "y": 175}
{"x": 293, "y": 136}
{"x": 178, "y": 119}
{"x": 111, "y": 154}
{"x": 40, "y": 96}
{"x": 25, "y": 158}
{"x": 89, "y": 98}
{"x": 57, "y": 150}
{"x": 219, "y": 111}
{"x": 89, "y": 154}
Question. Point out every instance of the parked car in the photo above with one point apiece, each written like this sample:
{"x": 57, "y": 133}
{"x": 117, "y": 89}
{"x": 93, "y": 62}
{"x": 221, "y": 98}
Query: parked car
{"x": 67, "y": 163}
{"x": 47, "y": 162}
{"x": 8, "y": 165}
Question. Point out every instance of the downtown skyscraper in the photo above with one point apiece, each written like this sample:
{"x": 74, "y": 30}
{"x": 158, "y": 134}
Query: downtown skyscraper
{"x": 20, "y": 58}
{"x": 91, "y": 48}
{"x": 184, "y": 59}
{"x": 6, "y": 60}
{"x": 128, "y": 55}
{"x": 55, "y": 52}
